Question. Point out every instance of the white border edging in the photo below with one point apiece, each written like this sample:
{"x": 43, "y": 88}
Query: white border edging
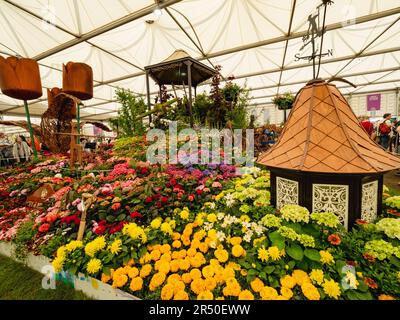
{"x": 91, "y": 287}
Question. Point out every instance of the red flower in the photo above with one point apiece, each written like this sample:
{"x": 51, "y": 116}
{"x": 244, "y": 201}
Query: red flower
{"x": 136, "y": 214}
{"x": 172, "y": 181}
{"x": 144, "y": 170}
{"x": 369, "y": 257}
{"x": 99, "y": 230}
{"x": 191, "y": 197}
{"x": 116, "y": 228}
{"x": 360, "y": 221}
{"x": 158, "y": 204}
{"x": 164, "y": 199}
{"x": 77, "y": 221}
{"x": 199, "y": 191}
{"x": 334, "y": 239}
{"x": 148, "y": 199}
{"x": 156, "y": 196}
{"x": 370, "y": 283}
{"x": 44, "y": 227}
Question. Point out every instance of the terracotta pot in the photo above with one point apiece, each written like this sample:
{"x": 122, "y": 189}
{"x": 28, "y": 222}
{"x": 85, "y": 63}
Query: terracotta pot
{"x": 51, "y": 94}
{"x": 78, "y": 80}
{"x": 20, "y": 78}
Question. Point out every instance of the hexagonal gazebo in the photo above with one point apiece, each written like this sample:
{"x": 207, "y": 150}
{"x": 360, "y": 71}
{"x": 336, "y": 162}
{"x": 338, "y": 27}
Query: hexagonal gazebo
{"x": 325, "y": 160}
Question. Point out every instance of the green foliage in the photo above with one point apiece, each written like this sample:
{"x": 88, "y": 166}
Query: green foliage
{"x": 128, "y": 123}
{"x": 51, "y": 246}
{"x": 132, "y": 147}
{"x": 24, "y": 235}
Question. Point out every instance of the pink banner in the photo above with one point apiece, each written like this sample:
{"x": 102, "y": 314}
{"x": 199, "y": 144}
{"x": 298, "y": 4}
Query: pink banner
{"x": 373, "y": 102}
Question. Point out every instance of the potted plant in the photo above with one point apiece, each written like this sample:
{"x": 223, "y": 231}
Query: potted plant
{"x": 284, "y": 102}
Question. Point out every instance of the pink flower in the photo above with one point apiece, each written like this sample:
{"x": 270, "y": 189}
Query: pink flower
{"x": 191, "y": 197}
{"x": 216, "y": 184}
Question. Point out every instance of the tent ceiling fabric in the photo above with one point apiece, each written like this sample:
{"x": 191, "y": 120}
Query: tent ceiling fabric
{"x": 118, "y": 38}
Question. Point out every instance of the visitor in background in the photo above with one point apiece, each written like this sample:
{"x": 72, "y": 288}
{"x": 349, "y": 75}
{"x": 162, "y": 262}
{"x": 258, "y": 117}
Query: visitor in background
{"x": 21, "y": 150}
{"x": 384, "y": 130}
{"x": 367, "y": 125}
{"x": 37, "y": 143}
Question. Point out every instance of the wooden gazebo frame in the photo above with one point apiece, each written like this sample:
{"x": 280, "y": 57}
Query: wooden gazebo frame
{"x": 178, "y": 69}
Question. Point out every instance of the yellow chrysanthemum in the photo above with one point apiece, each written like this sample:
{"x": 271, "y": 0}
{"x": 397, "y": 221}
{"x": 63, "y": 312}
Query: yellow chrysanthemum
{"x": 93, "y": 266}
{"x": 181, "y": 295}
{"x": 136, "y": 284}
{"x": 156, "y": 223}
{"x": 246, "y": 295}
{"x": 287, "y": 293}
{"x": 288, "y": 281}
{"x": 310, "y": 291}
{"x": 331, "y": 288}
{"x": 326, "y": 257}
{"x": 167, "y": 292}
{"x": 300, "y": 276}
{"x": 145, "y": 271}
{"x": 210, "y": 283}
{"x": 263, "y": 254}
{"x": 61, "y": 252}
{"x": 208, "y": 271}
{"x": 317, "y": 275}
{"x": 195, "y": 273}
{"x": 186, "y": 278}
{"x": 222, "y": 255}
{"x": 94, "y": 246}
{"x": 133, "y": 272}
{"x": 58, "y": 263}
{"x": 212, "y": 217}
{"x": 157, "y": 279}
{"x": 73, "y": 245}
{"x": 116, "y": 246}
{"x": 268, "y": 293}
{"x": 119, "y": 280}
{"x": 164, "y": 267}
{"x": 256, "y": 285}
{"x": 197, "y": 285}
{"x": 205, "y": 295}
{"x": 184, "y": 215}
{"x": 184, "y": 264}
{"x": 105, "y": 278}
{"x": 238, "y": 251}
{"x": 165, "y": 248}
{"x": 274, "y": 253}
{"x": 176, "y": 244}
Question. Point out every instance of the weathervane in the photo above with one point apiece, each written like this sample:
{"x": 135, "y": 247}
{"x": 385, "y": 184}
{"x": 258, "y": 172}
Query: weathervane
{"x": 314, "y": 33}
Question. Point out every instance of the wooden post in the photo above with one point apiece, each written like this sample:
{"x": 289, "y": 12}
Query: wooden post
{"x": 28, "y": 118}
{"x": 189, "y": 70}
{"x": 148, "y": 93}
{"x": 86, "y": 205}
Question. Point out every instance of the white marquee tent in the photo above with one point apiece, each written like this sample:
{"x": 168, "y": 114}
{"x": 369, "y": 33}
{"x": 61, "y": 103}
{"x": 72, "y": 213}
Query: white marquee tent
{"x": 254, "y": 40}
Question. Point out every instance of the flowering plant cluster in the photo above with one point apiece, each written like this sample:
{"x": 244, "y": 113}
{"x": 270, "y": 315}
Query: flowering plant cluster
{"x": 193, "y": 232}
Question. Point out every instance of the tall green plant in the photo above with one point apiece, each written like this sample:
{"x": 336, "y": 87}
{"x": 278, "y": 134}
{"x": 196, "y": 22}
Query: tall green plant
{"x": 128, "y": 123}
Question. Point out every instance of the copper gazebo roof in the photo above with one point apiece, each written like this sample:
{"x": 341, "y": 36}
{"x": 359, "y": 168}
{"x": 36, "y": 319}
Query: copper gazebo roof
{"x": 322, "y": 134}
{"x": 173, "y": 70}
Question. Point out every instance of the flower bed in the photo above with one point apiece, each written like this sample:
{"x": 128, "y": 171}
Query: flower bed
{"x": 195, "y": 232}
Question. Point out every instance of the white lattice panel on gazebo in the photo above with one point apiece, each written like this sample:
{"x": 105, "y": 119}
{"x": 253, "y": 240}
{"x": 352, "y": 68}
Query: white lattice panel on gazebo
{"x": 287, "y": 192}
{"x": 332, "y": 198}
{"x": 369, "y": 201}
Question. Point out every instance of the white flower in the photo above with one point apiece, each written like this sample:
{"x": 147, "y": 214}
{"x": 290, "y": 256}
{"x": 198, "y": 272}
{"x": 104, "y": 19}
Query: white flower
{"x": 221, "y": 236}
{"x": 208, "y": 225}
{"x": 230, "y": 201}
{"x": 212, "y": 205}
{"x": 220, "y": 216}
{"x": 248, "y": 235}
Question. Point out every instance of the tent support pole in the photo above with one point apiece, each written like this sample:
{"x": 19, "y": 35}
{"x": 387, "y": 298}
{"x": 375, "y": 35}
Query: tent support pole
{"x": 28, "y": 118}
